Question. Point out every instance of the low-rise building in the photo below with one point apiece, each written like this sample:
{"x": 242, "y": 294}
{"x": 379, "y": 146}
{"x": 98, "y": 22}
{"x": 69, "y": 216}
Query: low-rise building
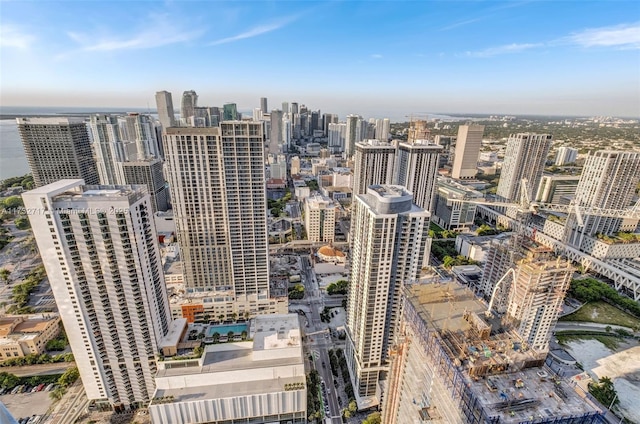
{"x": 26, "y": 334}
{"x": 205, "y": 306}
{"x": 261, "y": 380}
{"x": 451, "y": 210}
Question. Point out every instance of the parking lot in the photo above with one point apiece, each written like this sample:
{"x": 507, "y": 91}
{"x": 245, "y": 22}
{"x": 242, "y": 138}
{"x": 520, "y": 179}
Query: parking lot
{"x": 27, "y": 404}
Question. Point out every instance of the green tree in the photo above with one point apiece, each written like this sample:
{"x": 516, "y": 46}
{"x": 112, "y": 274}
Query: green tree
{"x": 373, "y": 419}
{"x": 4, "y": 274}
{"x": 604, "y": 391}
{"x": 69, "y": 377}
{"x": 216, "y": 337}
{"x": 448, "y": 262}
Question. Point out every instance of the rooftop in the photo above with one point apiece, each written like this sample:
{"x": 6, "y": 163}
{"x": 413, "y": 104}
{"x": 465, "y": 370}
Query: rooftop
{"x": 58, "y": 120}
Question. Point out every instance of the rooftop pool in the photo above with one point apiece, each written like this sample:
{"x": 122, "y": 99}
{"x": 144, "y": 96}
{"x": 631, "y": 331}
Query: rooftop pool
{"x": 224, "y": 329}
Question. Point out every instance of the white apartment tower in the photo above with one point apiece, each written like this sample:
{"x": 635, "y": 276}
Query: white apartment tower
{"x": 99, "y": 247}
{"x": 164, "y": 104}
{"x": 609, "y": 180}
{"x": 320, "y": 219}
{"x": 337, "y": 136}
{"x": 566, "y": 155}
{"x": 417, "y": 170}
{"x": 468, "y": 146}
{"x": 373, "y": 164}
{"x": 388, "y": 242}
{"x": 57, "y": 148}
{"x": 525, "y": 157}
{"x": 218, "y": 192}
{"x": 108, "y": 149}
{"x": 275, "y": 139}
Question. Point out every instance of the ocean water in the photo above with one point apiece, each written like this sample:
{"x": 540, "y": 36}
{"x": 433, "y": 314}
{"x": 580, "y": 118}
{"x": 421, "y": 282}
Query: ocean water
{"x": 12, "y": 159}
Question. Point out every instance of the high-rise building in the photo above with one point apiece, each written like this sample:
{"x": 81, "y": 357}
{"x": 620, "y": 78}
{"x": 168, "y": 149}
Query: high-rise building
{"x": 418, "y": 130}
{"x": 188, "y": 105}
{"x": 57, "y": 149}
{"x": 148, "y": 172}
{"x": 164, "y": 104}
{"x": 536, "y": 296}
{"x": 295, "y": 165}
{"x": 451, "y": 211}
{"x": 320, "y": 219}
{"x": 417, "y": 170}
{"x": 294, "y": 108}
{"x": 382, "y": 129}
{"x": 139, "y": 130}
{"x": 468, "y": 146}
{"x": 99, "y": 248}
{"x": 388, "y": 243}
{"x": 524, "y": 157}
{"x": 230, "y": 112}
{"x": 566, "y": 155}
{"x": 337, "y": 134}
{"x": 373, "y": 164}
{"x": 108, "y": 149}
{"x": 218, "y": 193}
{"x": 609, "y": 180}
{"x": 352, "y": 135}
{"x": 285, "y": 108}
{"x": 263, "y": 105}
{"x": 275, "y": 140}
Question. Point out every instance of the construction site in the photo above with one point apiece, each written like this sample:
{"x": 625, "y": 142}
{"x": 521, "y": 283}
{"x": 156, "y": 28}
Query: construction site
{"x": 455, "y": 363}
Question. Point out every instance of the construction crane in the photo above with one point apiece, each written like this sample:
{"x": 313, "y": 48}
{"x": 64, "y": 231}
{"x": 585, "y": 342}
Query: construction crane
{"x": 526, "y": 207}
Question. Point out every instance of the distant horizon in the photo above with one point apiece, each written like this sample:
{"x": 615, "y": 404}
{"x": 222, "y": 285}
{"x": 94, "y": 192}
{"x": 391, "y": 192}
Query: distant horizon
{"x": 124, "y": 109}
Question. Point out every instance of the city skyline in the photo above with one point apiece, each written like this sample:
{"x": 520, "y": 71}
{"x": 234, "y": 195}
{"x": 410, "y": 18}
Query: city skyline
{"x": 380, "y": 59}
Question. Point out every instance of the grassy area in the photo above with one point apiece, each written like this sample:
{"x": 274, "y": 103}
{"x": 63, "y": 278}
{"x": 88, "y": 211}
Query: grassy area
{"x": 611, "y": 342}
{"x": 603, "y": 313}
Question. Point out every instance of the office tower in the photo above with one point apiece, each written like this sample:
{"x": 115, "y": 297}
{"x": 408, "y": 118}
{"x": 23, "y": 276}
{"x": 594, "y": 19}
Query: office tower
{"x": 465, "y": 161}
{"x": 314, "y": 122}
{"x": 214, "y": 116}
{"x": 320, "y": 219}
{"x": 337, "y": 136}
{"x": 148, "y": 172}
{"x": 57, "y": 148}
{"x": 609, "y": 180}
{"x": 230, "y": 112}
{"x": 536, "y": 296}
{"x": 451, "y": 365}
{"x": 188, "y": 105}
{"x": 525, "y": 157}
{"x": 304, "y": 124}
{"x": 164, "y": 104}
{"x": 388, "y": 242}
{"x": 263, "y": 105}
{"x": 451, "y": 211}
{"x": 99, "y": 248}
{"x": 285, "y": 108}
{"x": 373, "y": 164}
{"x": 557, "y": 189}
{"x": 108, "y": 149}
{"x": 352, "y": 134}
{"x": 294, "y": 108}
{"x": 566, "y": 155}
{"x": 217, "y": 180}
{"x": 276, "y": 131}
{"x": 417, "y": 170}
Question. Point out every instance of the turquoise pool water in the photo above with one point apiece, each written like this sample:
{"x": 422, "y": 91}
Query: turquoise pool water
{"x": 225, "y": 328}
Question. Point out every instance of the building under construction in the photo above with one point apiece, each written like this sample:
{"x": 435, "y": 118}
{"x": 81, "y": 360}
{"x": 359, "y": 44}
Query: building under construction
{"x": 453, "y": 363}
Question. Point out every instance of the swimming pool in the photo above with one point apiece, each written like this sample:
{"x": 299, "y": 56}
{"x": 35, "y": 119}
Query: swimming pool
{"x": 224, "y": 329}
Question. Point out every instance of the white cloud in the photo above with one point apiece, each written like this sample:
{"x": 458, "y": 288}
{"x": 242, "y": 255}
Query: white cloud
{"x": 254, "y": 32}
{"x": 624, "y": 36}
{"x": 13, "y": 36}
{"x": 505, "y": 49}
{"x": 159, "y": 30}
{"x": 376, "y": 56}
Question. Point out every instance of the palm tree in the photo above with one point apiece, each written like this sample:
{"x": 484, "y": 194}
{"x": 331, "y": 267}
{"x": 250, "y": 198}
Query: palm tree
{"x": 216, "y": 337}
{"x": 221, "y": 317}
{"x": 230, "y": 335}
{"x": 234, "y": 316}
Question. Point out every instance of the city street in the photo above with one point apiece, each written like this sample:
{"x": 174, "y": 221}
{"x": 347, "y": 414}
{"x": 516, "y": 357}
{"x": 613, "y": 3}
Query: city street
{"x": 319, "y": 338}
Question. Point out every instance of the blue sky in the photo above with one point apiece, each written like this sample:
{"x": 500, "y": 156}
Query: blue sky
{"x": 374, "y": 58}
